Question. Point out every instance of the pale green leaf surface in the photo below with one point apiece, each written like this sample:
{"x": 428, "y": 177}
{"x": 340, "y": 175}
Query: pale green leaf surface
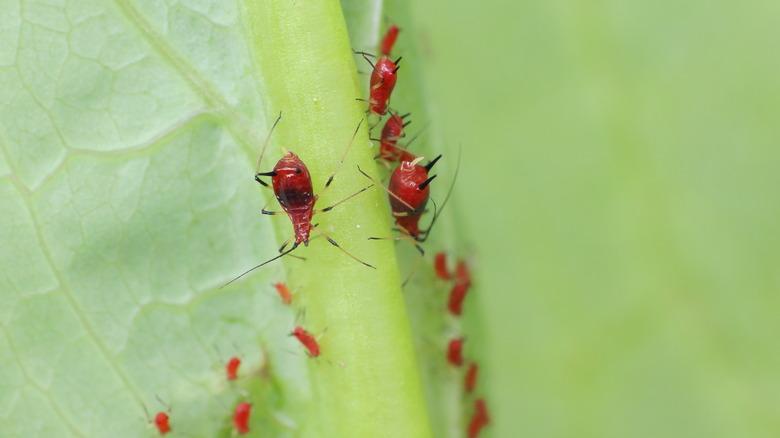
{"x": 124, "y": 207}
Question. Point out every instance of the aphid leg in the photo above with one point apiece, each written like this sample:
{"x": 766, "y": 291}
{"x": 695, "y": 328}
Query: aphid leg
{"x": 271, "y": 213}
{"x": 286, "y": 242}
{"x": 411, "y": 240}
{"x": 333, "y": 242}
{"x": 412, "y": 210}
{"x": 414, "y": 269}
{"x": 262, "y": 264}
{"x": 343, "y": 156}
{"x": 344, "y": 200}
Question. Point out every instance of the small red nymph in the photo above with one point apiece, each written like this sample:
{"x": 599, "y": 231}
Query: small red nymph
{"x": 470, "y": 381}
{"x": 161, "y": 422}
{"x": 388, "y": 144}
{"x": 284, "y": 293}
{"x": 440, "y": 266}
{"x": 480, "y": 418}
{"x": 241, "y": 418}
{"x": 457, "y": 295}
{"x": 455, "y": 352}
{"x": 231, "y": 369}
{"x": 386, "y": 46}
{"x": 308, "y": 341}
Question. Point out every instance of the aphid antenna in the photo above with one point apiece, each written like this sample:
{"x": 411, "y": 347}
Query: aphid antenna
{"x": 262, "y": 264}
{"x": 412, "y": 210}
{"x": 167, "y": 406}
{"x": 341, "y": 161}
{"x": 265, "y": 145}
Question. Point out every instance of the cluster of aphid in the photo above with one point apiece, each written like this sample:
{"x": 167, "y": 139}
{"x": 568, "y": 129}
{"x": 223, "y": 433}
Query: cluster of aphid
{"x": 461, "y": 283}
{"x": 408, "y": 193}
{"x": 243, "y": 409}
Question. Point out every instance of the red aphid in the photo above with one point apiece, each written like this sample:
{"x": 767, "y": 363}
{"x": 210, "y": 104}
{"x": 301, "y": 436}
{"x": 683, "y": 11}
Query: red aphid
{"x": 470, "y": 381}
{"x": 388, "y": 144}
{"x": 241, "y": 418}
{"x": 455, "y": 352}
{"x": 480, "y": 418}
{"x": 409, "y": 187}
{"x": 440, "y": 266}
{"x": 457, "y": 295}
{"x": 231, "y": 368}
{"x": 383, "y": 79}
{"x": 386, "y": 46}
{"x": 161, "y": 422}
{"x": 284, "y": 293}
{"x": 308, "y": 340}
{"x": 462, "y": 273}
{"x": 292, "y": 187}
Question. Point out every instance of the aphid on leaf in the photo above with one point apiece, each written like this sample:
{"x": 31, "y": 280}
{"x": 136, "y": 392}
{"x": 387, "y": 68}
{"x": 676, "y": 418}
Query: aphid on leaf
{"x": 470, "y": 381}
{"x": 479, "y": 419}
{"x": 161, "y": 420}
{"x": 292, "y": 187}
{"x": 440, "y": 266}
{"x": 388, "y": 41}
{"x": 308, "y": 340}
{"x": 455, "y": 352}
{"x": 231, "y": 368}
{"x": 284, "y": 293}
{"x": 393, "y": 131}
{"x": 384, "y": 75}
{"x": 241, "y": 417}
{"x": 457, "y": 295}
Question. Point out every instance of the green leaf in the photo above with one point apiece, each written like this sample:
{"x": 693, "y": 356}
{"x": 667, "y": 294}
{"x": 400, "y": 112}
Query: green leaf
{"x": 129, "y": 134}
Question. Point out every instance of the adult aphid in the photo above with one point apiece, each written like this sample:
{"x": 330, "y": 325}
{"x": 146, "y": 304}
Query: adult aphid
{"x": 161, "y": 420}
{"x": 440, "y": 266}
{"x": 292, "y": 187}
{"x": 470, "y": 380}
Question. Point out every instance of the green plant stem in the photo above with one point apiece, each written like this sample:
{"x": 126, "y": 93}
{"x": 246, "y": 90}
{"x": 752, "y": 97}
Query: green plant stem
{"x": 366, "y": 382}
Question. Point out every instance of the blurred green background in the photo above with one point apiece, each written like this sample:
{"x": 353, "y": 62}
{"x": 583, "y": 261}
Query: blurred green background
{"x": 620, "y": 181}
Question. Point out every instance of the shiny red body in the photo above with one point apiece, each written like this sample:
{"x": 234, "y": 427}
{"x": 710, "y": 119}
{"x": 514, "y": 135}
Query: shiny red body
{"x": 455, "y": 352}
{"x": 440, "y": 266}
{"x": 470, "y": 381}
{"x": 382, "y": 84}
{"x": 386, "y": 46}
{"x": 480, "y": 418}
{"x": 284, "y": 293}
{"x": 293, "y": 188}
{"x": 307, "y": 340}
{"x": 457, "y": 295}
{"x": 405, "y": 183}
{"x": 241, "y": 418}
{"x": 161, "y": 421}
{"x": 388, "y": 144}
{"x": 231, "y": 369}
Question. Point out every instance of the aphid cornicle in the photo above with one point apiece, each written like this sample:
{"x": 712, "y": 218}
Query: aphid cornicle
{"x": 292, "y": 186}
